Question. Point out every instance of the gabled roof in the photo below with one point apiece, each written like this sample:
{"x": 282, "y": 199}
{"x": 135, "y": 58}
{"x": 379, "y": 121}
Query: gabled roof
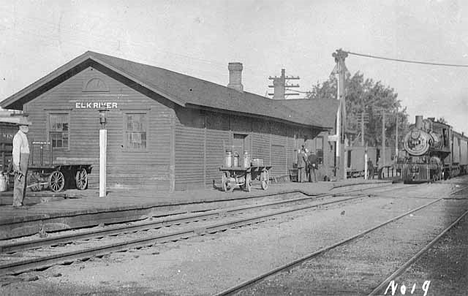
{"x": 181, "y": 89}
{"x": 321, "y": 110}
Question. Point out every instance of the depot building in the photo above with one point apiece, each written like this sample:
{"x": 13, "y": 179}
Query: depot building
{"x": 166, "y": 131}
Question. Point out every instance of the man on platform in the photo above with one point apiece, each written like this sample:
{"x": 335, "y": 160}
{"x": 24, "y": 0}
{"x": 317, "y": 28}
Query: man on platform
{"x": 301, "y": 165}
{"x": 20, "y": 161}
{"x": 312, "y": 166}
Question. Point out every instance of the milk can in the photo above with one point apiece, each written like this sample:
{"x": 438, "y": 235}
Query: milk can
{"x": 246, "y": 159}
{"x": 236, "y": 159}
{"x": 228, "y": 159}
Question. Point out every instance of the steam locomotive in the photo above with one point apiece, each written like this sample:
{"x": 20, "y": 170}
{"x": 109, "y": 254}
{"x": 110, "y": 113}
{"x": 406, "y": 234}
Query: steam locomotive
{"x": 433, "y": 152}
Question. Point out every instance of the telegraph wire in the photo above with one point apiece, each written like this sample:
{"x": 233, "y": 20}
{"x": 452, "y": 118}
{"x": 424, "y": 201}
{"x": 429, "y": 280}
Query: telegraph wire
{"x": 407, "y": 61}
{"x": 299, "y": 91}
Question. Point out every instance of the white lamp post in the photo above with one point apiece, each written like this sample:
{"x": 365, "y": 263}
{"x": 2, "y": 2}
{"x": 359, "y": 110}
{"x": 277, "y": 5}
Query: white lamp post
{"x": 103, "y": 153}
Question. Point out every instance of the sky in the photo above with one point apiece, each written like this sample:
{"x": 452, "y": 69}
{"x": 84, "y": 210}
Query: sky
{"x": 199, "y": 38}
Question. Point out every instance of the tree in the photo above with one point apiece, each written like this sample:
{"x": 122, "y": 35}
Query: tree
{"x": 442, "y": 120}
{"x": 373, "y": 98}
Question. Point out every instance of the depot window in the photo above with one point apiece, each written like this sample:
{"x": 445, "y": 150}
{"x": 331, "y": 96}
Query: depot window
{"x": 136, "y": 131}
{"x": 59, "y": 126}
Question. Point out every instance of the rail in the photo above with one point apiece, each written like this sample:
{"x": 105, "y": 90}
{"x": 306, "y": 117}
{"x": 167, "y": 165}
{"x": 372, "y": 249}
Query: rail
{"x": 244, "y": 285}
{"x": 45, "y": 261}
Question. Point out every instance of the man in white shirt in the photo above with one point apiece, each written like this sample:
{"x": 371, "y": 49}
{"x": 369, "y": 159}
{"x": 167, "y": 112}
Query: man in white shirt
{"x": 20, "y": 161}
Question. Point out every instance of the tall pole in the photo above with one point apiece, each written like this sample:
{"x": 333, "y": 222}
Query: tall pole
{"x": 103, "y": 154}
{"x": 366, "y": 168}
{"x": 340, "y": 70}
{"x": 280, "y": 86}
{"x": 396, "y": 134}
{"x": 102, "y": 162}
{"x": 362, "y": 129}
{"x": 382, "y": 160}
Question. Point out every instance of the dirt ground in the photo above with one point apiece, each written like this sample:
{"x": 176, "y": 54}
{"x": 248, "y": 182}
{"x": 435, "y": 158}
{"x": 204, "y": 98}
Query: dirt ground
{"x": 443, "y": 270}
{"x": 209, "y": 264}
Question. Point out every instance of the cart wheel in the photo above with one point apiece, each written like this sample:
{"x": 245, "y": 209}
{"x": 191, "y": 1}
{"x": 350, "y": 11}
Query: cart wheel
{"x": 224, "y": 181}
{"x": 34, "y": 181}
{"x": 81, "y": 179}
{"x": 248, "y": 182}
{"x": 56, "y": 181}
{"x": 264, "y": 181}
{"x": 264, "y": 185}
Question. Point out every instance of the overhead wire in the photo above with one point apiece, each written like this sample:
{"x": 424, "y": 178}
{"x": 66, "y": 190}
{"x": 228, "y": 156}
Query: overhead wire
{"x": 407, "y": 61}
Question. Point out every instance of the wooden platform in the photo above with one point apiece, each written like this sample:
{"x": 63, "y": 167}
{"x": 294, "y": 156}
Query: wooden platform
{"x": 47, "y": 211}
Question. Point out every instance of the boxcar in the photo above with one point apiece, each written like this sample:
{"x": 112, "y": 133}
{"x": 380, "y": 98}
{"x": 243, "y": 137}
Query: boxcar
{"x": 7, "y": 132}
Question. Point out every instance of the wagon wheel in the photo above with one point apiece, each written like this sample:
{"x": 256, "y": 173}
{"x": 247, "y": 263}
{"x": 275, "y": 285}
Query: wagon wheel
{"x": 81, "y": 179}
{"x": 34, "y": 181}
{"x": 248, "y": 182}
{"x": 56, "y": 181}
{"x": 224, "y": 181}
{"x": 264, "y": 180}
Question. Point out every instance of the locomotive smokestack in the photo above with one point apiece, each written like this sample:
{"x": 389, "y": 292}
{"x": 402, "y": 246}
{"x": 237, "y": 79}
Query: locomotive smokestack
{"x": 419, "y": 121}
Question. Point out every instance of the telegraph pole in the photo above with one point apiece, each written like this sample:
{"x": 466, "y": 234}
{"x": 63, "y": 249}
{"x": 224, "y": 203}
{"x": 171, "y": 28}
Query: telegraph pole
{"x": 396, "y": 132}
{"x": 280, "y": 84}
{"x": 340, "y": 70}
{"x": 364, "y": 118}
{"x": 382, "y": 157}
{"x": 362, "y": 128}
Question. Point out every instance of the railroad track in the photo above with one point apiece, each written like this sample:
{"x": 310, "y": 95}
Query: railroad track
{"x": 14, "y": 262}
{"x": 379, "y": 290}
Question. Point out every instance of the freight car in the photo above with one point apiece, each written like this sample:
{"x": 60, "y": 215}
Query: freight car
{"x": 8, "y": 129}
{"x": 356, "y": 160}
{"x": 433, "y": 152}
{"x": 54, "y": 175}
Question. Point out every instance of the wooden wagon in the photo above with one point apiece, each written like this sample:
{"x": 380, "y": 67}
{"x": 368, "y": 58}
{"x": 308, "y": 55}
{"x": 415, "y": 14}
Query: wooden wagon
{"x": 57, "y": 174}
{"x": 239, "y": 177}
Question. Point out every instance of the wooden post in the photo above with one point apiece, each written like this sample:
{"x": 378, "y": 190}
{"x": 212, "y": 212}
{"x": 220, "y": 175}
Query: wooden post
{"x": 102, "y": 162}
{"x": 382, "y": 164}
{"x": 340, "y": 70}
{"x": 396, "y": 136}
{"x": 366, "y": 169}
{"x": 362, "y": 128}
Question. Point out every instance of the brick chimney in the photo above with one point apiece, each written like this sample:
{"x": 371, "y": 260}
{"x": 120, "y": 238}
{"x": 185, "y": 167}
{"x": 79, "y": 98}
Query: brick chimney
{"x": 235, "y": 76}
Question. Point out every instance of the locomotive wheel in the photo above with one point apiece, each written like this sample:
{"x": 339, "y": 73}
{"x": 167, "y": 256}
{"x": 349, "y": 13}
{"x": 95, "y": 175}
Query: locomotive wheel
{"x": 34, "y": 181}
{"x": 56, "y": 181}
{"x": 81, "y": 179}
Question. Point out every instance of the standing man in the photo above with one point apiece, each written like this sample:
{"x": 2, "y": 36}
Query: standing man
{"x": 313, "y": 166}
{"x": 20, "y": 161}
{"x": 301, "y": 165}
{"x": 370, "y": 168}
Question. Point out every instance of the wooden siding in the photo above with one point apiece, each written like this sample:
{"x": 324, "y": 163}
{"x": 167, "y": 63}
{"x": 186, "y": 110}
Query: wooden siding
{"x": 217, "y": 137}
{"x": 185, "y": 147}
{"x": 149, "y": 169}
{"x": 278, "y": 161}
{"x": 7, "y": 132}
{"x": 189, "y": 149}
{"x": 201, "y": 139}
{"x": 261, "y": 146}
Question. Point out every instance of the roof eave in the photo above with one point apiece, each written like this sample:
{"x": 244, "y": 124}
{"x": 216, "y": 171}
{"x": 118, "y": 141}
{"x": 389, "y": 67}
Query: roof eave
{"x": 11, "y": 102}
{"x": 201, "y": 107}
